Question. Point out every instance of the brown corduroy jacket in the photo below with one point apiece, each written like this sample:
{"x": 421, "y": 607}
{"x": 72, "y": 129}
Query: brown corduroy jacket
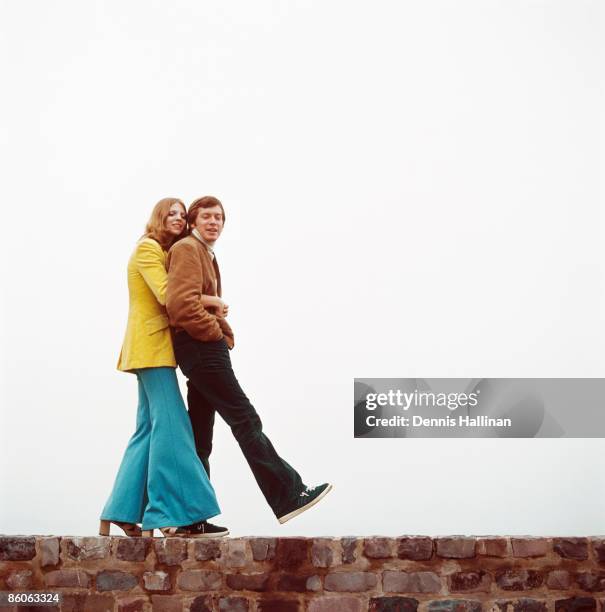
{"x": 192, "y": 272}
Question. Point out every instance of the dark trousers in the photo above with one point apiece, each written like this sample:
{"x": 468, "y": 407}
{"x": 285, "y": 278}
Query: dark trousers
{"x": 213, "y": 388}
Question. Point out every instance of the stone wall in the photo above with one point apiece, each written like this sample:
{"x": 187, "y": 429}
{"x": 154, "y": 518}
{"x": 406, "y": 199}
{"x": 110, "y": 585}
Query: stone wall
{"x": 405, "y": 574}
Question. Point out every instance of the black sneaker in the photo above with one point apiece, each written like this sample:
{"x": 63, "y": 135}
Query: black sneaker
{"x": 307, "y": 498}
{"x": 203, "y": 530}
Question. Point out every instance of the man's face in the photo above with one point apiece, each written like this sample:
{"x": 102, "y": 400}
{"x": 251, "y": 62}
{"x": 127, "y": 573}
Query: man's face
{"x": 209, "y": 223}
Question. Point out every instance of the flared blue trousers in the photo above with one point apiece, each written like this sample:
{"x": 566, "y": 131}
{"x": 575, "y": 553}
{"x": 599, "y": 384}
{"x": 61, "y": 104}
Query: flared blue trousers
{"x": 161, "y": 481}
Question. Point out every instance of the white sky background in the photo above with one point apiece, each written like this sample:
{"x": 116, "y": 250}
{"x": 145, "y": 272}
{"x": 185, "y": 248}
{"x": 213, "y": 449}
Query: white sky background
{"x": 412, "y": 189}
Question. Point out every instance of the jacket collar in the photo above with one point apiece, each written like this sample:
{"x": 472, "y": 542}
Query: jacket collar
{"x": 196, "y": 234}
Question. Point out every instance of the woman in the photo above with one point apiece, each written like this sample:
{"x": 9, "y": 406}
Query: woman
{"x": 161, "y": 481}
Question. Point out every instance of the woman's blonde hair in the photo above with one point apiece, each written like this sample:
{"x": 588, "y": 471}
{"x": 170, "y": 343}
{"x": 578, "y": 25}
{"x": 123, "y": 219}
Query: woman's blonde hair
{"x": 156, "y": 226}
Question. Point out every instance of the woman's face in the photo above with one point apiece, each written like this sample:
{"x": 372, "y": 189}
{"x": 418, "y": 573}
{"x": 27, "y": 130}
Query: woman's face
{"x": 176, "y": 220}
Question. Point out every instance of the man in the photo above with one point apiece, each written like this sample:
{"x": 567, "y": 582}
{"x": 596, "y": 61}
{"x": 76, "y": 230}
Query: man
{"x": 202, "y": 340}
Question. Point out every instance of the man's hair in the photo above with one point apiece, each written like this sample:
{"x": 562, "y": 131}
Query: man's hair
{"x": 205, "y": 202}
{"x": 156, "y": 226}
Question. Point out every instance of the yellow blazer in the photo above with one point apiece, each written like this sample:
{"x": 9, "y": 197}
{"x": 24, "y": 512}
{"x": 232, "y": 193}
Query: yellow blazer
{"x": 147, "y": 343}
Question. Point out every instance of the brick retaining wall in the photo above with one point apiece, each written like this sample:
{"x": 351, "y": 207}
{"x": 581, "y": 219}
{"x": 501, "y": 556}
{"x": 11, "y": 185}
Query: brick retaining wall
{"x": 405, "y": 574}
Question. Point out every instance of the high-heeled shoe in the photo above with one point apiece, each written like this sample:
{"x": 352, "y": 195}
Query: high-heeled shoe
{"x": 130, "y": 529}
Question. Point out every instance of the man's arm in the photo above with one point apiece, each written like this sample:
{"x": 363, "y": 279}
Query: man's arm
{"x": 183, "y": 295}
{"x": 227, "y": 331}
{"x": 218, "y": 308}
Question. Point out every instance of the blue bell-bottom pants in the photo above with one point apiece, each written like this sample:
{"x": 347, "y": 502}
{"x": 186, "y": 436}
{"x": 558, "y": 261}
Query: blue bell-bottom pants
{"x": 161, "y": 481}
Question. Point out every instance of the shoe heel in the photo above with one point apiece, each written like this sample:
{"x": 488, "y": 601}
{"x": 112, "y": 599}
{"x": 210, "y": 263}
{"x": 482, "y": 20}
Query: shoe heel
{"x": 147, "y": 533}
{"x": 104, "y": 528}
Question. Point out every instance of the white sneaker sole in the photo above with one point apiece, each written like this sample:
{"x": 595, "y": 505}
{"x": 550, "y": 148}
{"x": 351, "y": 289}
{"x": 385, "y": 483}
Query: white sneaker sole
{"x": 286, "y": 517}
{"x": 222, "y": 534}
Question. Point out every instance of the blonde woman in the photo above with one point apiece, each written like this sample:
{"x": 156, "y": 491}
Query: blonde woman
{"x": 161, "y": 482}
